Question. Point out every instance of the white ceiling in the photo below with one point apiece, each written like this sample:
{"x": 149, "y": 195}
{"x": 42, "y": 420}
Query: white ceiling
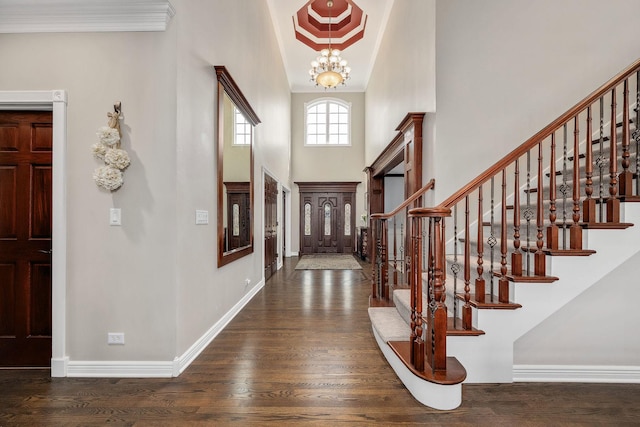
{"x": 297, "y": 56}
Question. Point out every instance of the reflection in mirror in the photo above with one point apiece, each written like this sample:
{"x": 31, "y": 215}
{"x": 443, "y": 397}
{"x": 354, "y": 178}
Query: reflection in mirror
{"x": 235, "y": 121}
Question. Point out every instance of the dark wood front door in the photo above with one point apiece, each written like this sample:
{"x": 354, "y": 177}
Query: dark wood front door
{"x": 26, "y": 145}
{"x": 327, "y": 217}
{"x": 238, "y": 215}
{"x": 270, "y": 226}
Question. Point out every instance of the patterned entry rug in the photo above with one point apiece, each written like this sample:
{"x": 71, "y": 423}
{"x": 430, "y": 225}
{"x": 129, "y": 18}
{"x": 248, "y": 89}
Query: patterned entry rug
{"x": 328, "y": 262}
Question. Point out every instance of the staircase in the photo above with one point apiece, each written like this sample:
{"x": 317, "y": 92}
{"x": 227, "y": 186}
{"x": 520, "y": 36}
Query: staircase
{"x": 512, "y": 247}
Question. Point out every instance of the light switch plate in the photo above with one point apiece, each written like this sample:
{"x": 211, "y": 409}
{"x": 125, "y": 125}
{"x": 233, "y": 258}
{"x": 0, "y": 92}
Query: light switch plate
{"x": 202, "y": 217}
{"x": 115, "y": 216}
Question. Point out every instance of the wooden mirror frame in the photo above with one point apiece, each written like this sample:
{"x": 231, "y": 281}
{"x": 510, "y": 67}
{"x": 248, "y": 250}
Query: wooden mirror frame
{"x": 227, "y": 85}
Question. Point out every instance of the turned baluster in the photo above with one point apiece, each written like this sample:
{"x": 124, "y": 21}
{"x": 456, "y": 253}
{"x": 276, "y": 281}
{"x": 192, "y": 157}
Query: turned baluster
{"x": 492, "y": 241}
{"x": 384, "y": 262}
{"x": 626, "y": 177}
{"x": 589, "y": 205}
{"x": 528, "y": 214}
{"x": 416, "y": 292}
{"x": 437, "y": 335}
{"x": 601, "y": 163}
{"x": 564, "y": 187}
{"x": 395, "y": 253}
{"x": 466, "y": 309}
{"x": 480, "y": 283}
{"x": 613, "y": 203}
{"x": 552, "y": 229}
{"x": 455, "y": 267}
{"x": 539, "y": 262}
{"x": 516, "y": 256}
{"x": 503, "y": 283}
{"x": 575, "y": 231}
{"x": 636, "y": 133}
{"x": 375, "y": 239}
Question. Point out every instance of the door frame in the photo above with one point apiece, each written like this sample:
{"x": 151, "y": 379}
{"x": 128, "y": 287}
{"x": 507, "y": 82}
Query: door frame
{"x": 325, "y": 187}
{"x": 55, "y": 101}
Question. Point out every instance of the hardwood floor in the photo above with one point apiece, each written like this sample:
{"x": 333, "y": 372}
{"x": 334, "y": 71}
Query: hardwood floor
{"x": 300, "y": 353}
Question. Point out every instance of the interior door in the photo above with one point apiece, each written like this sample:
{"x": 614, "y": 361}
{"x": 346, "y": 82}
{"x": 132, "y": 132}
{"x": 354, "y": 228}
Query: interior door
{"x": 270, "y": 226}
{"x": 26, "y": 145}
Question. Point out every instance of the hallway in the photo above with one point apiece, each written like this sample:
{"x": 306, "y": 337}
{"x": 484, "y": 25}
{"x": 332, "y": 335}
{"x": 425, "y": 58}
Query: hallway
{"x": 300, "y": 353}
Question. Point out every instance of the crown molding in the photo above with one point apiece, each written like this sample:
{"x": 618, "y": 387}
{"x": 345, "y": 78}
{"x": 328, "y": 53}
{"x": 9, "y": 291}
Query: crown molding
{"x": 54, "y": 16}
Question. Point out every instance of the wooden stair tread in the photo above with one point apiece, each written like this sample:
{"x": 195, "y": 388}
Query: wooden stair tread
{"x": 560, "y": 252}
{"x": 632, "y": 199}
{"x": 606, "y": 225}
{"x": 488, "y": 304}
{"x": 531, "y": 279}
{"x": 457, "y": 330}
{"x": 568, "y": 252}
{"x": 380, "y": 302}
{"x": 454, "y": 373}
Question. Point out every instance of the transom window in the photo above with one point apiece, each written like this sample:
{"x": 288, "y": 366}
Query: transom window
{"x": 327, "y": 122}
{"x": 241, "y": 129}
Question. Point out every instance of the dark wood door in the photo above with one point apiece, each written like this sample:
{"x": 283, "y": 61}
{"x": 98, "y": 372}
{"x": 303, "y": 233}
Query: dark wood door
{"x": 326, "y": 224}
{"x": 327, "y": 218}
{"x": 270, "y": 226}
{"x": 238, "y": 215}
{"x": 26, "y": 145}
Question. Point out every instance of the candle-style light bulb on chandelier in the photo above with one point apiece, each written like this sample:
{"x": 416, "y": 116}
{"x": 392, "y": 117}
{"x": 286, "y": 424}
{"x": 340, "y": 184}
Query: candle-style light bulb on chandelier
{"x": 329, "y": 69}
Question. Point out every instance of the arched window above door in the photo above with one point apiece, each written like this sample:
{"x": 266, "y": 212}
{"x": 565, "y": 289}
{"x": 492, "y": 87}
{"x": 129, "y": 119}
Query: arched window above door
{"x": 328, "y": 122}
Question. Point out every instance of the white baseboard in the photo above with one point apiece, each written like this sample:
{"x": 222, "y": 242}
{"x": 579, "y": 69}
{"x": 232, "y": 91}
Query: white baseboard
{"x": 182, "y": 362}
{"x": 577, "y": 373}
{"x": 120, "y": 369}
{"x": 150, "y": 369}
{"x": 59, "y": 367}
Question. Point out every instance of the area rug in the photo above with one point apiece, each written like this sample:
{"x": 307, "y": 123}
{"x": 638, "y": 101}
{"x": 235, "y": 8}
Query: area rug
{"x": 328, "y": 262}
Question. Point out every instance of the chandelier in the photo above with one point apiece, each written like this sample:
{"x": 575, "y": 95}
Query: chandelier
{"x": 329, "y": 69}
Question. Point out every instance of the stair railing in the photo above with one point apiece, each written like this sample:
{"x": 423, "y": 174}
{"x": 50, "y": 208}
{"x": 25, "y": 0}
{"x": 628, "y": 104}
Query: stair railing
{"x": 531, "y": 204}
{"x": 390, "y": 261}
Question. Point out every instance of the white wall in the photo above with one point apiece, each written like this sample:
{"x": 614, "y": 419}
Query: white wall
{"x": 594, "y": 329}
{"x": 403, "y": 78}
{"x": 240, "y": 36}
{"x": 119, "y": 278}
{"x": 155, "y": 278}
{"x": 507, "y": 68}
{"x": 322, "y": 164}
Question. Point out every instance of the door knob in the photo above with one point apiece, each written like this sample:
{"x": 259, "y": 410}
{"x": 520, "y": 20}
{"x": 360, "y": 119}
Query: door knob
{"x": 43, "y": 251}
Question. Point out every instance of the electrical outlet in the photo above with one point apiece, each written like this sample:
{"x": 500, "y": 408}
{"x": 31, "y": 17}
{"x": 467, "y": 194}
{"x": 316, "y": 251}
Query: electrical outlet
{"x": 115, "y": 338}
{"x": 247, "y": 282}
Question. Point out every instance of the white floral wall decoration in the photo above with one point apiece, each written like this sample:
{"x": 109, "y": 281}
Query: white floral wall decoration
{"x": 107, "y": 149}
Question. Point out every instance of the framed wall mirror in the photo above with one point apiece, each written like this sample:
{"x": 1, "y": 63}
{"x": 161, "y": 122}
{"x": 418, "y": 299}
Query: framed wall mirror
{"x": 235, "y": 121}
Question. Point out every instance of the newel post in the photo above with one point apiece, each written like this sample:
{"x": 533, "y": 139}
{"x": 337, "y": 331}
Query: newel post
{"x": 435, "y": 345}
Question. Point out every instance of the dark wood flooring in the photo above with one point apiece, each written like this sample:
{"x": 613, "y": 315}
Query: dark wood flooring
{"x": 300, "y": 353}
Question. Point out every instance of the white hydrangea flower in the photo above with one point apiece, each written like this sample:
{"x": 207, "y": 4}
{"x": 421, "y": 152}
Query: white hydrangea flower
{"x": 108, "y": 177}
{"x": 108, "y": 136}
{"x": 99, "y": 150}
{"x": 117, "y": 158}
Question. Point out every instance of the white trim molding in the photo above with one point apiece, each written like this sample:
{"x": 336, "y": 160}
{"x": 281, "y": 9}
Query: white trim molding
{"x": 53, "y": 16}
{"x": 118, "y": 369}
{"x": 576, "y": 374}
{"x": 157, "y": 369}
{"x": 181, "y": 363}
{"x": 55, "y": 101}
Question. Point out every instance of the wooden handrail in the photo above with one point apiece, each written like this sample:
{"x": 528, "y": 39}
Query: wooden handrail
{"x": 535, "y": 139}
{"x": 428, "y": 186}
